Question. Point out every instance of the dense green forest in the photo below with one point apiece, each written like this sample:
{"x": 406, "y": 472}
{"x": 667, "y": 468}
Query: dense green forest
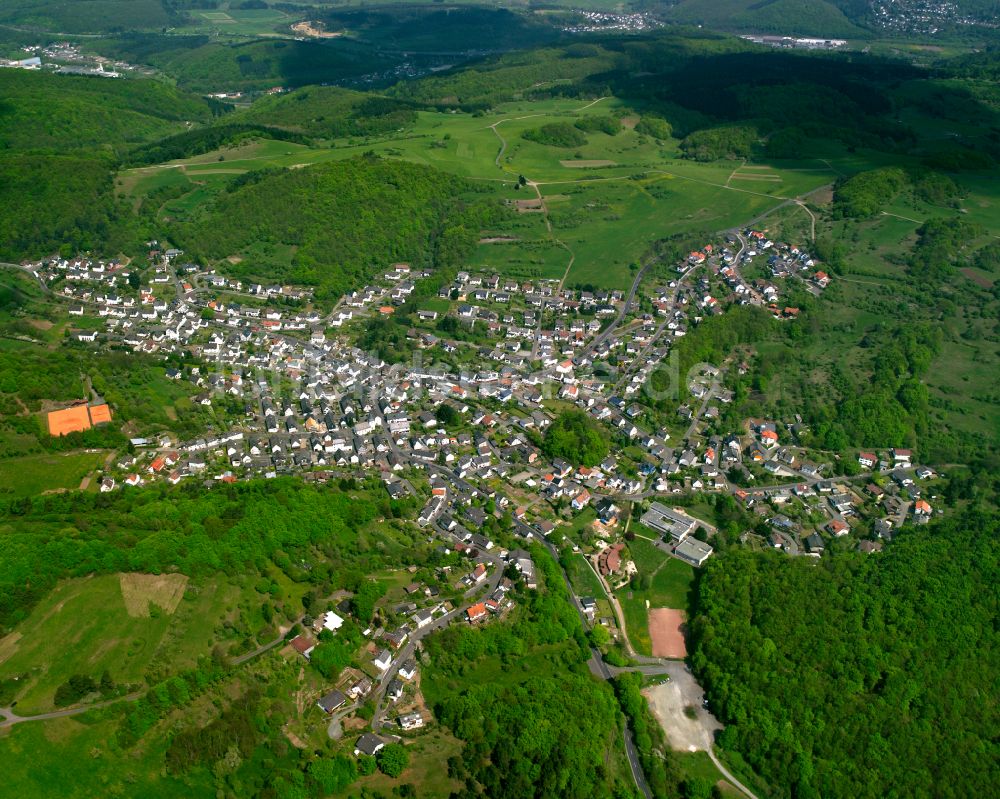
{"x": 859, "y": 676}
{"x": 345, "y": 220}
{"x": 527, "y": 748}
{"x": 804, "y": 17}
{"x": 557, "y": 134}
{"x": 419, "y": 27}
{"x": 55, "y": 203}
{"x": 85, "y": 16}
{"x": 61, "y": 138}
{"x": 40, "y": 111}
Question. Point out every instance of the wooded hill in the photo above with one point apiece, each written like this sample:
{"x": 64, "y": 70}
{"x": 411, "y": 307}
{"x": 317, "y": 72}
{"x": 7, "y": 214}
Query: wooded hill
{"x": 333, "y": 225}
{"x": 859, "y": 676}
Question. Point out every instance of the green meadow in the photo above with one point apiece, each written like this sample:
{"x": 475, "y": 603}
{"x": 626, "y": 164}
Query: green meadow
{"x": 37, "y": 474}
{"x": 84, "y": 627}
{"x": 604, "y": 202}
{"x": 669, "y": 582}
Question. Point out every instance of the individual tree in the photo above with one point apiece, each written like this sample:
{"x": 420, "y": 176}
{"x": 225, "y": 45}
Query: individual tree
{"x": 393, "y": 760}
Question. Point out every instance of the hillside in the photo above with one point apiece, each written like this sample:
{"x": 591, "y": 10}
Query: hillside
{"x": 84, "y": 16}
{"x": 835, "y": 678}
{"x": 334, "y": 225}
{"x": 830, "y": 18}
{"x": 329, "y": 112}
{"x": 45, "y": 111}
{"x": 52, "y": 202}
{"x": 204, "y": 65}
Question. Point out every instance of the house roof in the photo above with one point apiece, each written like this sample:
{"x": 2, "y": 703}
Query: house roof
{"x": 369, "y": 744}
{"x": 302, "y": 644}
{"x": 332, "y": 701}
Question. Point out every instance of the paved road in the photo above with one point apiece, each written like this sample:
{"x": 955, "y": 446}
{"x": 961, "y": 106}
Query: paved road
{"x": 601, "y": 337}
{"x": 11, "y": 718}
{"x": 407, "y": 651}
{"x": 729, "y": 775}
{"x": 260, "y": 650}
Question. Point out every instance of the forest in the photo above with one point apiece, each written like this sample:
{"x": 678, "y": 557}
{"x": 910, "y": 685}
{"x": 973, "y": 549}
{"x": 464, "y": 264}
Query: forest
{"x": 576, "y": 438}
{"x": 527, "y": 749}
{"x": 345, "y": 220}
{"x": 859, "y": 676}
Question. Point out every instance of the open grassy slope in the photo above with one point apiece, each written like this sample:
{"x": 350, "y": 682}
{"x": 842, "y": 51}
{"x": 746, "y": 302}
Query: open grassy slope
{"x": 84, "y": 626}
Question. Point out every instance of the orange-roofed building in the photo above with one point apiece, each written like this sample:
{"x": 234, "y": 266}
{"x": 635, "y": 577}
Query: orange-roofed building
{"x": 476, "y": 612}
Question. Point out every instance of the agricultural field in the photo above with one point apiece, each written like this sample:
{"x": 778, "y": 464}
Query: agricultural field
{"x": 602, "y": 203}
{"x": 239, "y": 22}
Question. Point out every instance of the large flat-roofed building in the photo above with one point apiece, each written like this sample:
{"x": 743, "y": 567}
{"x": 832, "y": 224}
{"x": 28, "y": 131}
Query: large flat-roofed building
{"x": 77, "y": 419}
{"x": 669, "y": 521}
{"x": 693, "y": 551}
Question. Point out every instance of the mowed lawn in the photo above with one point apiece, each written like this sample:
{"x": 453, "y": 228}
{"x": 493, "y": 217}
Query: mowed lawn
{"x": 84, "y": 627}
{"x": 671, "y": 582}
{"x": 427, "y": 755}
{"x": 34, "y": 474}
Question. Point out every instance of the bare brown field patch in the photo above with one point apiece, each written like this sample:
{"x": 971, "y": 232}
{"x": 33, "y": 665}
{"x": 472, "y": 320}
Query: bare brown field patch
{"x": 139, "y": 591}
{"x": 585, "y": 164}
{"x": 666, "y": 634}
{"x": 978, "y": 279}
{"x": 762, "y": 176}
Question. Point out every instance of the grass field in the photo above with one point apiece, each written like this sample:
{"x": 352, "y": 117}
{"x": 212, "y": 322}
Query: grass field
{"x": 428, "y": 753}
{"x": 72, "y": 758}
{"x": 670, "y": 584}
{"x": 36, "y": 474}
{"x": 84, "y": 627}
{"x": 242, "y": 22}
{"x": 585, "y": 582}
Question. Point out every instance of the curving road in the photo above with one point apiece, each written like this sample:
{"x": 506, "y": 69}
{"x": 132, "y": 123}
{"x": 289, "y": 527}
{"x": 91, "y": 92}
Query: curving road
{"x": 10, "y": 718}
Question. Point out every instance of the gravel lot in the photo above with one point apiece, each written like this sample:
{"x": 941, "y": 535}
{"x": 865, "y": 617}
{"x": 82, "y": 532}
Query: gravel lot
{"x": 668, "y": 701}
